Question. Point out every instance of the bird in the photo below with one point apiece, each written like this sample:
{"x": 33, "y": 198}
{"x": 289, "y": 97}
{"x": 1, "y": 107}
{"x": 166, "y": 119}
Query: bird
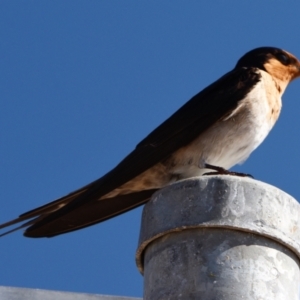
{"x": 216, "y": 129}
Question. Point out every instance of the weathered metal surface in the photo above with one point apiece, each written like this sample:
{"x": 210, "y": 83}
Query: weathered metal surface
{"x": 12, "y": 293}
{"x": 220, "y": 237}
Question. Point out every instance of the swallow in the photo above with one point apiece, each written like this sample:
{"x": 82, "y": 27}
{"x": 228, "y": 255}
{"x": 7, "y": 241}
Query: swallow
{"x": 215, "y": 130}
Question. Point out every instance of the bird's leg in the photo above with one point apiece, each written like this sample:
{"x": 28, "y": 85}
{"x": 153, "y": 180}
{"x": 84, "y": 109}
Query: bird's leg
{"x": 222, "y": 171}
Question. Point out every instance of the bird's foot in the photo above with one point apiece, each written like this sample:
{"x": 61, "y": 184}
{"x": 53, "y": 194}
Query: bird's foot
{"x": 222, "y": 171}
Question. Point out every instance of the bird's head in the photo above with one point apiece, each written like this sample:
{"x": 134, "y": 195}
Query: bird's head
{"x": 280, "y": 64}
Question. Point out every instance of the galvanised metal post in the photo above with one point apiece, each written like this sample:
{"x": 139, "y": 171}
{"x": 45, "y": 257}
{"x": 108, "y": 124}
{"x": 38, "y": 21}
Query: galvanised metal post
{"x": 220, "y": 238}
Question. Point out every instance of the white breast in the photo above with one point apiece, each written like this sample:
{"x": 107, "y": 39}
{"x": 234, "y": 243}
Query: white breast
{"x": 231, "y": 140}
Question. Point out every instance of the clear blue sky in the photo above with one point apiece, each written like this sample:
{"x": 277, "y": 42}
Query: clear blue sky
{"x": 82, "y": 82}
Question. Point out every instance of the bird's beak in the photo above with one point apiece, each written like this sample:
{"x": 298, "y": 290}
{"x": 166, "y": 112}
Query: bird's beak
{"x": 298, "y": 68}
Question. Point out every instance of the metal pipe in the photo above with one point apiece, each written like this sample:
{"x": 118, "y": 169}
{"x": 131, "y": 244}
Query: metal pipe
{"x": 220, "y": 237}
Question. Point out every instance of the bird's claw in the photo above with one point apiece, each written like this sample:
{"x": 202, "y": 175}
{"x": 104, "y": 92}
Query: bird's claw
{"x": 222, "y": 171}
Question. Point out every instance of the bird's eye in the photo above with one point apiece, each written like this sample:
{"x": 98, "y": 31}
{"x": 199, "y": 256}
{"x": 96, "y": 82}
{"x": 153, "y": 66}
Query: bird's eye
{"x": 283, "y": 58}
